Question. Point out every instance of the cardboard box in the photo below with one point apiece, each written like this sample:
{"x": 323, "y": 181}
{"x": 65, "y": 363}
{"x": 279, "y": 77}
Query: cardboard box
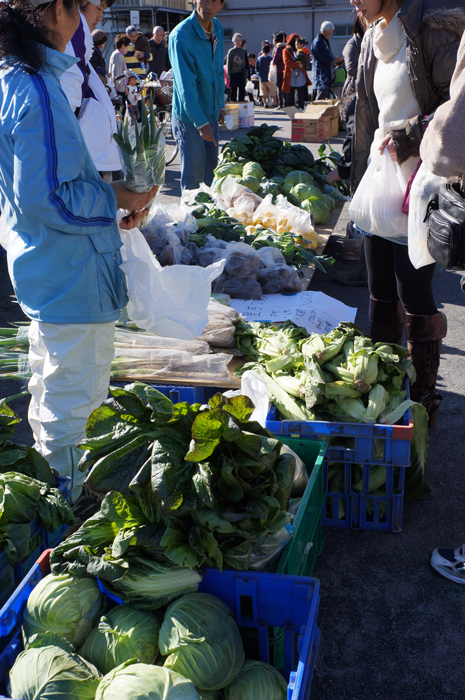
{"x": 334, "y": 131}
{"x": 331, "y": 106}
{"x": 246, "y": 114}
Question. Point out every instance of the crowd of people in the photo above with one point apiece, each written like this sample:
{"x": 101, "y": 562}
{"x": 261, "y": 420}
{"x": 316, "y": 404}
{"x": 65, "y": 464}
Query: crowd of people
{"x": 61, "y": 187}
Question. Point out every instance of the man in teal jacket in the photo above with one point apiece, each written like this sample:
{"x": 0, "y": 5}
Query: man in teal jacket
{"x": 196, "y": 56}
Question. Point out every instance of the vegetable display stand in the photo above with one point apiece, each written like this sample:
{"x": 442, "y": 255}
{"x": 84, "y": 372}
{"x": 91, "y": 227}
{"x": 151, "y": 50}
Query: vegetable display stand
{"x": 257, "y": 601}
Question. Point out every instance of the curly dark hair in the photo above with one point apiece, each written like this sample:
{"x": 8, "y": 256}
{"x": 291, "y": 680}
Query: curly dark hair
{"x": 23, "y": 33}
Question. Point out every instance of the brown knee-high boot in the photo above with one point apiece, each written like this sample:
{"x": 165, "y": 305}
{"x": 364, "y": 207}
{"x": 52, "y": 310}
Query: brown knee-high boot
{"x": 387, "y": 321}
{"x": 424, "y": 334}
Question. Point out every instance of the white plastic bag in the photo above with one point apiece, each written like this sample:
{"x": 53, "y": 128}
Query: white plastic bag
{"x": 377, "y": 204}
{"x": 170, "y": 301}
{"x": 256, "y": 388}
{"x": 273, "y": 74}
{"x": 249, "y": 87}
{"x": 424, "y": 185}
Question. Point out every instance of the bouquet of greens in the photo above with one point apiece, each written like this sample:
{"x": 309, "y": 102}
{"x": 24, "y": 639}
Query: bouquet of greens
{"x": 142, "y": 152}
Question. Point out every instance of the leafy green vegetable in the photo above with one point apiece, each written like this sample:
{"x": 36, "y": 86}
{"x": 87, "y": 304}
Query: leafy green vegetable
{"x": 202, "y": 640}
{"x": 63, "y": 604}
{"x": 27, "y": 461}
{"x": 253, "y": 170}
{"x": 133, "y": 681}
{"x": 122, "y": 634}
{"x": 318, "y": 208}
{"x": 257, "y": 680}
{"x": 296, "y": 177}
{"x": 51, "y": 673}
{"x": 251, "y": 182}
{"x": 144, "y": 583}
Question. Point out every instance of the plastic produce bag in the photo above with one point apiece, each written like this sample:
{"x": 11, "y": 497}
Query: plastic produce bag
{"x": 279, "y": 279}
{"x": 424, "y": 185}
{"x": 231, "y": 190}
{"x": 267, "y": 550}
{"x": 270, "y": 257}
{"x": 170, "y": 301}
{"x": 377, "y": 204}
{"x": 256, "y": 389}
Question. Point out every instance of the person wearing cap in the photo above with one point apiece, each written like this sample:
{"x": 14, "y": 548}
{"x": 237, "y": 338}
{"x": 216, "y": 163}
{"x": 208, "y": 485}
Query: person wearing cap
{"x": 64, "y": 243}
{"x": 89, "y": 98}
{"x": 99, "y": 39}
{"x": 160, "y": 62}
{"x": 133, "y": 96}
{"x": 196, "y": 55}
{"x": 138, "y": 54}
{"x": 295, "y": 75}
{"x": 323, "y": 60}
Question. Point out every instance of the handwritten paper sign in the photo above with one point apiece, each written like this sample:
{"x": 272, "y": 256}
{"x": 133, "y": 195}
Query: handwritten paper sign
{"x": 315, "y": 311}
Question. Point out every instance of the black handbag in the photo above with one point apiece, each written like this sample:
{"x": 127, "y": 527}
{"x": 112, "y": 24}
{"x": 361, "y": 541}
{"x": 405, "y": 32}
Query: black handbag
{"x": 445, "y": 217}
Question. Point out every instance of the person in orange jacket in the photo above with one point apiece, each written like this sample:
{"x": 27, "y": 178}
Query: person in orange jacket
{"x": 295, "y": 75}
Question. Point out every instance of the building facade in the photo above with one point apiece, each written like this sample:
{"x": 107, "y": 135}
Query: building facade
{"x": 257, "y": 20}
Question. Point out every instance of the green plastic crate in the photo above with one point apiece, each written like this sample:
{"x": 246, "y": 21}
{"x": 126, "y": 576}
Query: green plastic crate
{"x": 299, "y": 556}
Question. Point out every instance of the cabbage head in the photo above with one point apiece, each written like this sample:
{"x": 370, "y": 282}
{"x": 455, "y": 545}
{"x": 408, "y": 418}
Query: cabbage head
{"x": 218, "y": 184}
{"x": 251, "y": 182}
{"x": 318, "y": 208}
{"x": 329, "y": 201}
{"x": 202, "y": 640}
{"x": 65, "y": 605}
{"x": 295, "y": 177}
{"x": 144, "y": 682}
{"x": 122, "y": 634}
{"x": 229, "y": 169}
{"x": 257, "y": 680}
{"x": 302, "y": 191}
{"x": 51, "y": 673}
{"x": 269, "y": 187}
{"x": 252, "y": 169}
{"x": 333, "y": 192}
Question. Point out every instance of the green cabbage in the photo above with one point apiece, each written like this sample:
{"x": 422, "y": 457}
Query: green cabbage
{"x": 257, "y": 680}
{"x": 333, "y": 192}
{"x": 302, "y": 191}
{"x": 63, "y": 604}
{"x": 251, "y": 182}
{"x": 329, "y": 201}
{"x": 318, "y": 208}
{"x": 202, "y": 640}
{"x": 51, "y": 673}
{"x": 218, "y": 184}
{"x": 253, "y": 170}
{"x": 229, "y": 169}
{"x": 122, "y": 634}
{"x": 133, "y": 681}
{"x": 269, "y": 187}
{"x": 295, "y": 177}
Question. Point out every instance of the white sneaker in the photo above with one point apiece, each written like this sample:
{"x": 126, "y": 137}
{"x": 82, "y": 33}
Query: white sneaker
{"x": 450, "y": 563}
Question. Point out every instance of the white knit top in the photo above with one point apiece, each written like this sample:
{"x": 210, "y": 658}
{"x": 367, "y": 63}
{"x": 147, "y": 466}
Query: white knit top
{"x": 392, "y": 87}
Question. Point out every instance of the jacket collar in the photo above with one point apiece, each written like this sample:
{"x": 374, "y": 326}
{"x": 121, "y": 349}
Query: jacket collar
{"x": 410, "y": 14}
{"x": 57, "y": 63}
{"x": 198, "y": 27}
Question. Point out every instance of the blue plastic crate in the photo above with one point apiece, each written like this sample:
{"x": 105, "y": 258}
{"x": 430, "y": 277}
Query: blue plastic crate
{"x": 258, "y": 601}
{"x": 364, "y": 510}
{"x": 358, "y": 443}
{"x": 178, "y": 394}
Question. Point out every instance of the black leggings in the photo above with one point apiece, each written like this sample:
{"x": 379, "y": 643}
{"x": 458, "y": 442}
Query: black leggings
{"x": 391, "y": 276}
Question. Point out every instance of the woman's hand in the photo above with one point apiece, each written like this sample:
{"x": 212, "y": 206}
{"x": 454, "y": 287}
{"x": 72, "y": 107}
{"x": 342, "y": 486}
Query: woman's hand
{"x": 333, "y": 176}
{"x": 388, "y": 143}
{"x": 132, "y": 201}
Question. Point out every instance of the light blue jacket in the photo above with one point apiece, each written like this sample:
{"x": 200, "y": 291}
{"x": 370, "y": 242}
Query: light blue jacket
{"x": 63, "y": 252}
{"x": 198, "y": 76}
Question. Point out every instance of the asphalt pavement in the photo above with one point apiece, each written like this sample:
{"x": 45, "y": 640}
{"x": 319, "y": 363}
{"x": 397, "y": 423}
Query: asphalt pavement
{"x": 391, "y": 627}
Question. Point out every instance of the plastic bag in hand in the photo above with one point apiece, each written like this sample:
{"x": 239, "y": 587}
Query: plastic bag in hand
{"x": 424, "y": 185}
{"x": 170, "y": 301}
{"x": 377, "y": 204}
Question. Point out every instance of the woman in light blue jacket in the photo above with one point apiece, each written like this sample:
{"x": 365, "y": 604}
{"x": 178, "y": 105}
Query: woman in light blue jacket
{"x": 63, "y": 247}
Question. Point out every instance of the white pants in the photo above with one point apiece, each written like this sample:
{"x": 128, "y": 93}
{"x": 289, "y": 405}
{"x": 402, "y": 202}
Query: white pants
{"x": 70, "y": 377}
